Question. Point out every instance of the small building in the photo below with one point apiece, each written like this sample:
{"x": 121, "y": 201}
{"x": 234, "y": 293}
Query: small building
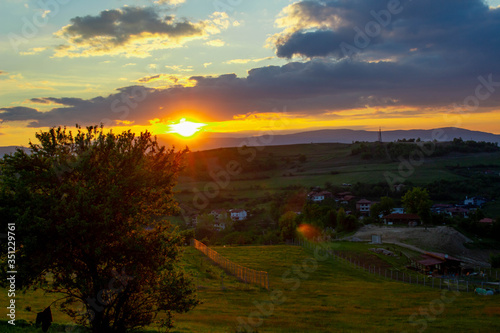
{"x": 439, "y": 263}
{"x": 376, "y": 239}
{"x": 347, "y": 199}
{"x": 238, "y": 214}
{"x": 406, "y": 219}
{"x": 219, "y": 214}
{"x": 319, "y": 196}
{"x": 458, "y": 211}
{"x": 440, "y": 208}
{"x": 398, "y": 210}
{"x": 398, "y": 187}
{"x": 341, "y": 195}
{"x": 220, "y": 226}
{"x": 363, "y": 206}
{"x": 486, "y": 220}
{"x": 475, "y": 201}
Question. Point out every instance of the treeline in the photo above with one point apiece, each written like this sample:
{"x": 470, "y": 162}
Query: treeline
{"x": 405, "y": 147}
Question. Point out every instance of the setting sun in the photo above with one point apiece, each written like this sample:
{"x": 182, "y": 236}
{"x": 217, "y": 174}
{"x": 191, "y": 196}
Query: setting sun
{"x": 185, "y": 128}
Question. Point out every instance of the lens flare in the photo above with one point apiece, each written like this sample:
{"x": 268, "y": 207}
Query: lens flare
{"x": 308, "y": 231}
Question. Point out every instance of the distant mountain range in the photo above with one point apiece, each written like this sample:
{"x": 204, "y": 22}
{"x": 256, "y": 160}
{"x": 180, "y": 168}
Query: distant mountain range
{"x": 207, "y": 141}
{"x": 10, "y": 149}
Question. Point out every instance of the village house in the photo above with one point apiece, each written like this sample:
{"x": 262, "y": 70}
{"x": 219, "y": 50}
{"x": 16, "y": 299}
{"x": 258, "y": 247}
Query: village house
{"x": 341, "y": 195}
{"x": 474, "y": 201}
{"x": 399, "y": 187}
{"x": 486, "y": 220}
{"x": 220, "y": 225}
{"x": 220, "y": 217}
{"x": 458, "y": 211}
{"x": 411, "y": 220}
{"x": 398, "y": 210}
{"x": 238, "y": 214}
{"x": 344, "y": 197}
{"x": 219, "y": 214}
{"x": 440, "y": 208}
{"x": 363, "y": 206}
{"x": 319, "y": 196}
{"x": 439, "y": 263}
{"x": 347, "y": 199}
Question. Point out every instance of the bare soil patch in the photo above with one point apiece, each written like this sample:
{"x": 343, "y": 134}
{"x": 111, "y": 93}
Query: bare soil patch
{"x": 441, "y": 239}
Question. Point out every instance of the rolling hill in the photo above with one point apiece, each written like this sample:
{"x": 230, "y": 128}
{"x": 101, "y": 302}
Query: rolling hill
{"x": 206, "y": 140}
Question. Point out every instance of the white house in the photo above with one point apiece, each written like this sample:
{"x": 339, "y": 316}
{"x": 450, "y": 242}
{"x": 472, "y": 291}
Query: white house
{"x": 363, "y": 206}
{"x": 238, "y": 214}
{"x": 475, "y": 201}
{"x": 219, "y": 213}
{"x": 220, "y": 225}
{"x": 319, "y": 196}
{"x": 398, "y": 210}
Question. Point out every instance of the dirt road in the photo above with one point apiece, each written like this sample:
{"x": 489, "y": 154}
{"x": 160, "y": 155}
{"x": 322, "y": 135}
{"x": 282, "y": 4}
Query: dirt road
{"x": 436, "y": 239}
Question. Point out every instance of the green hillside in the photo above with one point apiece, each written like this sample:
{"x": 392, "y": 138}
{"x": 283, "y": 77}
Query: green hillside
{"x": 332, "y": 297}
{"x": 309, "y": 295}
{"x": 264, "y": 171}
{"x": 274, "y": 167}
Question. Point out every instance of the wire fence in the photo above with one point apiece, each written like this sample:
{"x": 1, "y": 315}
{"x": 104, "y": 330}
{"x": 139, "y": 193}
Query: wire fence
{"x": 458, "y": 283}
{"x": 245, "y": 274}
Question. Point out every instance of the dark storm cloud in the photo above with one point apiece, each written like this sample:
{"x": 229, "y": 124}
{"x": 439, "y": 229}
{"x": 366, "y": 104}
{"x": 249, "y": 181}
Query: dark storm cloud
{"x": 313, "y": 87}
{"x": 129, "y": 31}
{"x": 120, "y": 25}
{"x": 447, "y": 29}
{"x": 63, "y": 101}
{"x": 440, "y": 54}
{"x": 18, "y": 113}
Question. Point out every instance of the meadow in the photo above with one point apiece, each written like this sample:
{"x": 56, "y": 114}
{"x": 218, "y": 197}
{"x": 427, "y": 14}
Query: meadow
{"x": 274, "y": 169}
{"x": 309, "y": 294}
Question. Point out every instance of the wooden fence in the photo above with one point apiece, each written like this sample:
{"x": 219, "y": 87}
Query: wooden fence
{"x": 458, "y": 283}
{"x": 245, "y": 274}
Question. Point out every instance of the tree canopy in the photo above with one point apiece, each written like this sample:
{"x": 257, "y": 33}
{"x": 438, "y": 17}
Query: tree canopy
{"x": 90, "y": 211}
{"x": 416, "y": 201}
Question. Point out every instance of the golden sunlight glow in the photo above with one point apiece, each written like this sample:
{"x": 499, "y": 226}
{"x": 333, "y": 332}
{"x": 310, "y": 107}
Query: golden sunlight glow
{"x": 185, "y": 128}
{"x": 308, "y": 231}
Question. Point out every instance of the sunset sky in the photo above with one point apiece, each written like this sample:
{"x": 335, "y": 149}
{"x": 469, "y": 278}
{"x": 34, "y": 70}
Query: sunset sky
{"x": 240, "y": 66}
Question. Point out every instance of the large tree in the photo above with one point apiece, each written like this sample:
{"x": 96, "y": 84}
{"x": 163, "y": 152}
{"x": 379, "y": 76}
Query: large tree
{"x": 416, "y": 201}
{"x": 384, "y": 207}
{"x": 288, "y": 225}
{"x": 89, "y": 211}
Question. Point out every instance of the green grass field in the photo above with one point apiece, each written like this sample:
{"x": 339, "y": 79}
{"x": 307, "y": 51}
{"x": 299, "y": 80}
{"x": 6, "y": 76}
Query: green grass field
{"x": 309, "y": 295}
{"x": 322, "y": 159}
{"x": 331, "y": 163}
